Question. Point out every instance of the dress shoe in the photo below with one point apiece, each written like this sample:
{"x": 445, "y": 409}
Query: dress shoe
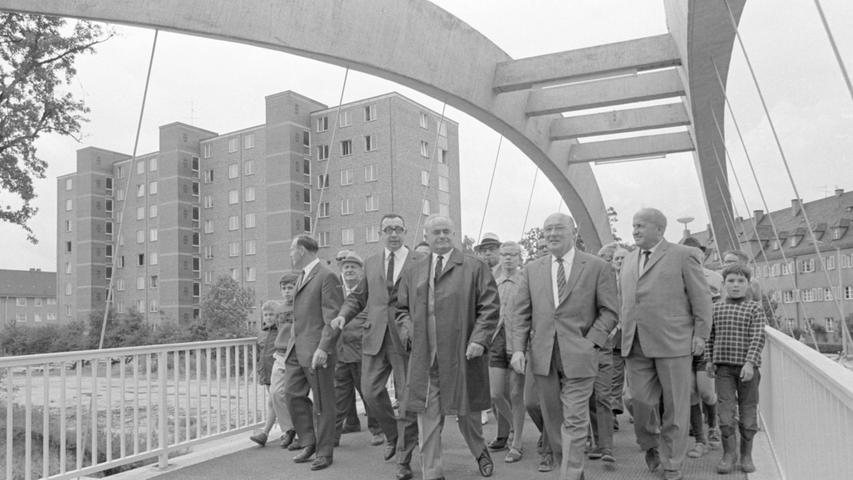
{"x": 295, "y": 445}
{"x": 595, "y": 454}
{"x": 546, "y": 463}
{"x": 485, "y": 464}
{"x": 404, "y": 472}
{"x": 287, "y": 439}
{"x": 337, "y": 443}
{"x": 498, "y": 444}
{"x": 351, "y": 428}
{"x": 607, "y": 457}
{"x": 305, "y": 455}
{"x": 652, "y": 459}
{"x": 672, "y": 475}
{"x": 377, "y": 439}
{"x": 390, "y": 451}
{"x": 260, "y": 438}
{"x": 320, "y": 463}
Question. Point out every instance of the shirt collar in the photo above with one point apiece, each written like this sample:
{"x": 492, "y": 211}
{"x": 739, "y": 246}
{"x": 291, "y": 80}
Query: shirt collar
{"x": 400, "y": 254}
{"x": 655, "y": 247}
{"x": 503, "y": 277}
{"x": 309, "y": 267}
{"x": 568, "y": 257}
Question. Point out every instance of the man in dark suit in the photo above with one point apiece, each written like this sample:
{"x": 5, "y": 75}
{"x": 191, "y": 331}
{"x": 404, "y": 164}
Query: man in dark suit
{"x": 447, "y": 310}
{"x": 310, "y": 357}
{"x": 565, "y": 305}
{"x": 382, "y": 352}
{"x": 666, "y": 317}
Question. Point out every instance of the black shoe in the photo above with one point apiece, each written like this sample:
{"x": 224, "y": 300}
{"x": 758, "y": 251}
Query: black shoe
{"x": 595, "y": 454}
{"x": 351, "y": 428}
{"x": 287, "y": 439}
{"x": 320, "y": 463}
{"x": 259, "y": 438}
{"x": 377, "y": 439}
{"x": 390, "y": 451}
{"x": 295, "y": 445}
{"x": 497, "y": 444}
{"x": 546, "y": 463}
{"x": 485, "y": 464}
{"x": 652, "y": 459}
{"x": 337, "y": 443}
{"x": 404, "y": 472}
{"x": 305, "y": 455}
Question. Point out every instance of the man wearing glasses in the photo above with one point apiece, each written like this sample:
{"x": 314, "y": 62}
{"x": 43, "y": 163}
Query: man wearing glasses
{"x": 382, "y": 351}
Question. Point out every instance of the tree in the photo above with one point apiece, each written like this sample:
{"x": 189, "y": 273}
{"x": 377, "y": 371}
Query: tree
{"x": 613, "y": 218}
{"x": 37, "y": 55}
{"x": 227, "y": 305}
{"x": 530, "y": 241}
{"x": 468, "y": 244}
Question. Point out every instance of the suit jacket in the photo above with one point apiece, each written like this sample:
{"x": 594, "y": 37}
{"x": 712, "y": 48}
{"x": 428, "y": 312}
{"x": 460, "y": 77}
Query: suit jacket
{"x": 372, "y": 294}
{"x": 316, "y": 304}
{"x": 466, "y": 310}
{"x": 582, "y": 321}
{"x": 349, "y": 342}
{"x": 668, "y": 304}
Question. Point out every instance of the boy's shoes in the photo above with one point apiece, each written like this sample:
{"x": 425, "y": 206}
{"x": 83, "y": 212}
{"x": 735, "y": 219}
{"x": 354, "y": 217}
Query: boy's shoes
{"x": 652, "y": 459}
{"x": 484, "y": 417}
{"x": 714, "y": 437}
{"x": 595, "y": 454}
{"x": 485, "y": 464}
{"x": 498, "y": 444}
{"x": 672, "y": 475}
{"x": 513, "y": 455}
{"x": 377, "y": 439}
{"x": 404, "y": 472}
{"x": 698, "y": 450}
{"x": 546, "y": 463}
{"x": 259, "y": 438}
{"x": 287, "y": 438}
{"x": 608, "y": 458}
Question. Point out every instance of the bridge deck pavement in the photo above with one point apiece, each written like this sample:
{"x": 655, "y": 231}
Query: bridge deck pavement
{"x": 356, "y": 459}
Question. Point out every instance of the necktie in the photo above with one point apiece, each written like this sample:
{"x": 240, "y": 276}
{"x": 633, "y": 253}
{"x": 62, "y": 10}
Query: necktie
{"x": 562, "y": 285}
{"x": 646, "y": 254}
{"x": 439, "y": 266}
{"x": 389, "y": 276}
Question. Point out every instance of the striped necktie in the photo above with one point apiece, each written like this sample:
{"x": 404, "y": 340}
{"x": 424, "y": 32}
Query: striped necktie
{"x": 562, "y": 285}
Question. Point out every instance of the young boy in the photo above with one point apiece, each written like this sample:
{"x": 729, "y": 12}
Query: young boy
{"x": 733, "y": 355}
{"x": 269, "y": 328}
{"x": 277, "y": 390}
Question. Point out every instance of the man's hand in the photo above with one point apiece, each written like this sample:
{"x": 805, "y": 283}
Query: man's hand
{"x": 474, "y": 350}
{"x": 319, "y": 359}
{"x": 747, "y": 372}
{"x": 338, "y": 323}
{"x": 698, "y": 346}
{"x": 518, "y": 362}
{"x": 711, "y": 369}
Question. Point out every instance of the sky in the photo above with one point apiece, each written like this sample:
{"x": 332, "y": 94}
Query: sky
{"x": 220, "y": 86}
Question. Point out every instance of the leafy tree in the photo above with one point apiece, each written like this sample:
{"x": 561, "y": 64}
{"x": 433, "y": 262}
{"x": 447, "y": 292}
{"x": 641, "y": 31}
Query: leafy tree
{"x": 37, "y": 55}
{"x": 530, "y": 241}
{"x": 468, "y": 244}
{"x": 226, "y": 306}
{"x": 613, "y": 218}
{"x": 123, "y": 330}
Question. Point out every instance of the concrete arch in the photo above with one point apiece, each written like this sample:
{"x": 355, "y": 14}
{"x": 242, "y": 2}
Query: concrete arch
{"x": 411, "y": 42}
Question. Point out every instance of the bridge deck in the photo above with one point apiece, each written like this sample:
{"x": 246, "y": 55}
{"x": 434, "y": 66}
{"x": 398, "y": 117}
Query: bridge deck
{"x": 355, "y": 459}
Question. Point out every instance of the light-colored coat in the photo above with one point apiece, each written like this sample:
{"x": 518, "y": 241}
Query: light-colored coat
{"x": 311, "y": 325}
{"x": 582, "y": 321}
{"x": 466, "y": 310}
{"x": 668, "y": 304}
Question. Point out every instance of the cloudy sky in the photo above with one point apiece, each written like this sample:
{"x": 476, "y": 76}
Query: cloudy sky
{"x": 221, "y": 87}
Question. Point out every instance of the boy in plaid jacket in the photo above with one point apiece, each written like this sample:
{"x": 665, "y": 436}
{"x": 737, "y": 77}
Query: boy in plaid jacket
{"x": 733, "y": 355}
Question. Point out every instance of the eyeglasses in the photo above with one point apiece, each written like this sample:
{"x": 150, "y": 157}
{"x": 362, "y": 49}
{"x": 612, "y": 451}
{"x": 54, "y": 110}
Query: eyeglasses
{"x": 397, "y": 230}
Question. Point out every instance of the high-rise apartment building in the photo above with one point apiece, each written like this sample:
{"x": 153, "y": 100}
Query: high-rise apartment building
{"x": 207, "y": 204}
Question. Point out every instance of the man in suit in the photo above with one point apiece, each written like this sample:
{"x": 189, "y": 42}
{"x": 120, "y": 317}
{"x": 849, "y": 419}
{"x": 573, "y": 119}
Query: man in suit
{"x": 566, "y": 306}
{"x": 447, "y": 310}
{"x": 310, "y": 357}
{"x": 382, "y": 352}
{"x": 666, "y": 317}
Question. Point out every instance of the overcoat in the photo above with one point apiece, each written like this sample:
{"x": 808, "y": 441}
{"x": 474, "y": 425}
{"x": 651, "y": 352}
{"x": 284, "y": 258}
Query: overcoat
{"x": 350, "y": 340}
{"x": 467, "y": 309}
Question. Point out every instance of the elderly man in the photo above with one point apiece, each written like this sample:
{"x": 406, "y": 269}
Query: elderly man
{"x": 310, "y": 356}
{"x": 565, "y": 306}
{"x": 382, "y": 351}
{"x": 487, "y": 249}
{"x": 666, "y": 317}
{"x": 447, "y": 310}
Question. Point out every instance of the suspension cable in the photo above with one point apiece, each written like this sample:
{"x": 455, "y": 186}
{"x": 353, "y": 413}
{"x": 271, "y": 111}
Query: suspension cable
{"x": 529, "y": 201}
{"x": 131, "y": 169}
{"x": 489, "y": 193}
{"x": 323, "y": 182}
{"x": 432, "y": 162}
{"x": 729, "y": 216}
{"x": 834, "y": 48}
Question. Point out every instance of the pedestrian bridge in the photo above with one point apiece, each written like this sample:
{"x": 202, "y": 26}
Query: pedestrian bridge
{"x": 81, "y": 413}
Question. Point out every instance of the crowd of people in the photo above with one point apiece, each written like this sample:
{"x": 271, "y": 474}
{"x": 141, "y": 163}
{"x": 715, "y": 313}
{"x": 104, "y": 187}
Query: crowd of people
{"x": 570, "y": 339}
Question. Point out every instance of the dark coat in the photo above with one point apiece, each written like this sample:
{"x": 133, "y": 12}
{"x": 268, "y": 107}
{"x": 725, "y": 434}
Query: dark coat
{"x": 315, "y": 305}
{"x": 349, "y": 342}
{"x": 467, "y": 309}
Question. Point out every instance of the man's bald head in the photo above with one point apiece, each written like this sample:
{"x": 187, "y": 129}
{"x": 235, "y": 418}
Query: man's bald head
{"x": 648, "y": 227}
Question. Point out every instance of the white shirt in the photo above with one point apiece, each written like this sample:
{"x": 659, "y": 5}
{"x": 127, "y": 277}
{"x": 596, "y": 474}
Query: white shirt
{"x": 652, "y": 250}
{"x": 568, "y": 259}
{"x": 399, "y": 258}
{"x": 445, "y": 257}
{"x": 307, "y": 269}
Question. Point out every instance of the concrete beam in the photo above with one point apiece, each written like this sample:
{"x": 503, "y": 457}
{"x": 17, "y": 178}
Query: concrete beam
{"x": 633, "y": 55}
{"x": 604, "y": 93}
{"x": 631, "y": 147}
{"x": 620, "y": 121}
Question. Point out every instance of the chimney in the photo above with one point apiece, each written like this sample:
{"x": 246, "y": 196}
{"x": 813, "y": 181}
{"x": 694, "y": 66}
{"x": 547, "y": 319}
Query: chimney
{"x": 757, "y": 216}
{"x": 796, "y": 206}
{"x": 839, "y": 192}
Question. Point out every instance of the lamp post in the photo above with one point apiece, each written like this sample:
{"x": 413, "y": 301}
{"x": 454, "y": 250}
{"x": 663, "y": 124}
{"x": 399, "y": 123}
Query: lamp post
{"x": 685, "y": 221}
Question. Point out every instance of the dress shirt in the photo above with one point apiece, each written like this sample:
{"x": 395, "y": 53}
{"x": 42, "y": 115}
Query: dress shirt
{"x": 399, "y": 258}
{"x": 307, "y": 270}
{"x": 445, "y": 258}
{"x": 568, "y": 259}
{"x": 640, "y": 265}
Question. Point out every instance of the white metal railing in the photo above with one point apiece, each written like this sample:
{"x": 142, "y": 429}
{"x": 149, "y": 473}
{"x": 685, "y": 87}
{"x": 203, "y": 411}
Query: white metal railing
{"x": 806, "y": 406}
{"x": 77, "y": 413}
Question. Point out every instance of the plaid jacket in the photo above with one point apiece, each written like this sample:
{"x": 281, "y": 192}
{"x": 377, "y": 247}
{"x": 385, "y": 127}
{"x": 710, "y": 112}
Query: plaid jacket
{"x": 737, "y": 333}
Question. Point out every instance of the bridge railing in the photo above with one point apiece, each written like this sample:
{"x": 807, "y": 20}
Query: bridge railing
{"x": 78, "y": 413}
{"x": 806, "y": 406}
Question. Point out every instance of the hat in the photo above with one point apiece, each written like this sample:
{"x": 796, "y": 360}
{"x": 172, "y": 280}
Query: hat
{"x": 353, "y": 257}
{"x": 488, "y": 240}
{"x": 342, "y": 255}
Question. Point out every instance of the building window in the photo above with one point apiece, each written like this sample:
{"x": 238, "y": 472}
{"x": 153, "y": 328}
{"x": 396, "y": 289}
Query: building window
{"x": 153, "y": 258}
{"x": 793, "y": 241}
{"x": 207, "y": 176}
{"x": 346, "y": 176}
{"x": 140, "y": 167}
{"x": 208, "y": 226}
{"x": 155, "y": 280}
{"x": 233, "y": 171}
{"x": 140, "y": 236}
{"x": 371, "y": 204}
{"x": 235, "y": 274}
{"x": 322, "y": 152}
{"x": 67, "y": 247}
{"x": 68, "y": 225}
{"x": 108, "y": 206}
{"x": 808, "y": 266}
{"x": 120, "y": 194}
{"x": 424, "y": 149}
{"x": 322, "y": 124}
{"x": 152, "y": 165}
{"x": 323, "y": 239}
{"x": 443, "y": 184}
{"x": 442, "y": 158}
{"x": 233, "y": 197}
{"x": 21, "y": 302}
{"x": 208, "y": 201}
{"x": 306, "y": 220}
{"x": 233, "y": 144}
{"x": 323, "y": 209}
{"x": 306, "y": 198}
{"x": 206, "y": 150}
{"x": 140, "y": 259}
{"x": 345, "y": 120}
{"x": 20, "y": 317}
{"x": 830, "y": 262}
{"x": 347, "y": 236}
{"x": 153, "y": 306}
{"x": 38, "y": 302}
{"x": 346, "y": 148}
{"x": 233, "y": 222}
{"x": 424, "y": 178}
{"x": 250, "y": 220}
{"x": 196, "y": 264}
{"x": 69, "y": 184}
{"x": 68, "y": 204}
{"x": 425, "y": 210}
{"x": 371, "y": 233}
{"x": 140, "y": 190}
{"x": 251, "y": 247}
{"x": 68, "y": 288}
{"x": 108, "y": 251}
{"x": 829, "y": 323}
{"x": 346, "y": 206}
{"x": 249, "y": 141}
{"x": 249, "y": 167}
{"x": 120, "y": 284}
{"x": 848, "y": 292}
{"x": 442, "y": 128}
{"x": 140, "y": 213}
{"x": 233, "y": 249}
{"x": 323, "y": 181}
{"x": 369, "y": 143}
{"x": 250, "y": 274}
{"x": 37, "y": 317}
{"x": 152, "y": 211}
{"x": 140, "y": 283}
{"x": 370, "y": 173}
{"x": 370, "y": 113}
{"x": 196, "y": 289}
{"x": 249, "y": 194}
{"x": 68, "y": 267}
{"x": 152, "y": 235}
{"x": 827, "y": 294}
{"x": 208, "y": 278}
{"x": 787, "y": 296}
{"x": 424, "y": 120}
{"x": 208, "y": 252}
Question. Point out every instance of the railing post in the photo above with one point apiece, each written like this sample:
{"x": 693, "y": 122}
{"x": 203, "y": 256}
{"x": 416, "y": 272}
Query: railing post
{"x": 163, "y": 433}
